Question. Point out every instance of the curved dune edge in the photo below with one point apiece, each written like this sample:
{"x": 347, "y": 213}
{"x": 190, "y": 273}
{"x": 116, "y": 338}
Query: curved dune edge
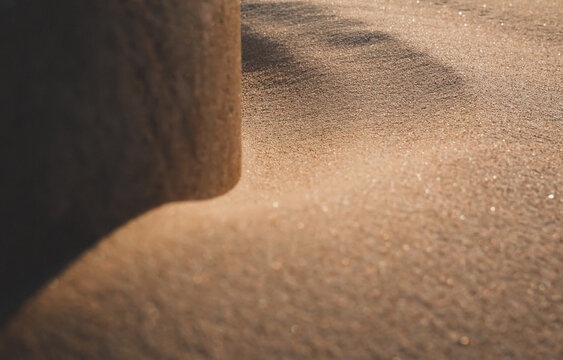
{"x": 110, "y": 109}
{"x": 400, "y": 197}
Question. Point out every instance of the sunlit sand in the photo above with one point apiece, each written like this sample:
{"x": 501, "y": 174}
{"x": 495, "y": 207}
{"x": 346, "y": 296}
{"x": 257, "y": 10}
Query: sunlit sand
{"x": 400, "y": 198}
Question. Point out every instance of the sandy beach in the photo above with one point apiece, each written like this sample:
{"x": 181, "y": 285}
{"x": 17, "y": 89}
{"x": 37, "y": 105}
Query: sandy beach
{"x": 401, "y": 198}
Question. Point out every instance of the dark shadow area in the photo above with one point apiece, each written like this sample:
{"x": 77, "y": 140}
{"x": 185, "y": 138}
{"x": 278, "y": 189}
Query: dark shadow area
{"x": 278, "y": 39}
{"x": 261, "y": 53}
{"x": 102, "y": 121}
{"x": 275, "y": 61}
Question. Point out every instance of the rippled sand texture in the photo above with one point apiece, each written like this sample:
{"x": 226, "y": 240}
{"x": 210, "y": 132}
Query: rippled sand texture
{"x": 401, "y": 198}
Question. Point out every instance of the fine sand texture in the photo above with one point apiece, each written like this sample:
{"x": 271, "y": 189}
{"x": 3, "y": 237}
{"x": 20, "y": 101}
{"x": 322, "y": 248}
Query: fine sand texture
{"x": 401, "y": 198}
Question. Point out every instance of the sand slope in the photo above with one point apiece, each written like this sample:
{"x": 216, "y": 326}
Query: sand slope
{"x": 400, "y": 198}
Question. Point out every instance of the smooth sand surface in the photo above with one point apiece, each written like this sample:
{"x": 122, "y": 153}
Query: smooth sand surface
{"x": 401, "y": 198}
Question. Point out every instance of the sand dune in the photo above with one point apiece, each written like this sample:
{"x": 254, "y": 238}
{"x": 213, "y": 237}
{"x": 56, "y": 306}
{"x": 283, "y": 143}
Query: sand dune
{"x": 400, "y": 198}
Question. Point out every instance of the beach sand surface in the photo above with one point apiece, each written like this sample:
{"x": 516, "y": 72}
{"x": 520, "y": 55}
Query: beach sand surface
{"x": 401, "y": 198}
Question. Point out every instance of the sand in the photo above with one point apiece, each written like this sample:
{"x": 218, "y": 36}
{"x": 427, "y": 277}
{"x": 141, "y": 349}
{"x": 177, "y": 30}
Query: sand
{"x": 109, "y": 110}
{"x": 400, "y": 198}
